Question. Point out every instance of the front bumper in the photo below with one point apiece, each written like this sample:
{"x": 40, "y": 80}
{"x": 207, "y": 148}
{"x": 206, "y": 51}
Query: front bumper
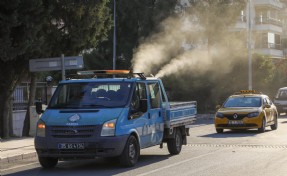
{"x": 245, "y": 123}
{"x": 94, "y": 144}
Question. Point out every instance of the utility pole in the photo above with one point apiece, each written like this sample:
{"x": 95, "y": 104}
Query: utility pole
{"x": 114, "y": 40}
{"x": 249, "y": 47}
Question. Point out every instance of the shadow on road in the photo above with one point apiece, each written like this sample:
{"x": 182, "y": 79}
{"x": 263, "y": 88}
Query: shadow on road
{"x": 234, "y": 134}
{"x": 99, "y": 166}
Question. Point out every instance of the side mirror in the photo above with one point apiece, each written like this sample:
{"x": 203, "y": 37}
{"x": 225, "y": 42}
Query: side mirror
{"x": 39, "y": 108}
{"x": 267, "y": 106}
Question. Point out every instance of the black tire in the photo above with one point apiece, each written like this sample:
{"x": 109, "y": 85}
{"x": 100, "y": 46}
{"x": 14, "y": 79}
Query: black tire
{"x": 219, "y": 130}
{"x": 48, "y": 162}
{"x": 275, "y": 125}
{"x": 263, "y": 126}
{"x": 131, "y": 152}
{"x": 174, "y": 145}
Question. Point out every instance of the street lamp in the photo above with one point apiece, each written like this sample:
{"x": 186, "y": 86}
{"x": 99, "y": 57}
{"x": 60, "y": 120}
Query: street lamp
{"x": 249, "y": 47}
{"x": 114, "y": 38}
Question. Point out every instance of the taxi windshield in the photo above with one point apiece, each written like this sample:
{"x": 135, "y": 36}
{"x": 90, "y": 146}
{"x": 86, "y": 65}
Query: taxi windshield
{"x": 243, "y": 101}
{"x": 91, "y": 95}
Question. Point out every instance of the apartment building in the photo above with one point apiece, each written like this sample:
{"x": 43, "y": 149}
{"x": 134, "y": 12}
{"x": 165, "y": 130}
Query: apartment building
{"x": 268, "y": 26}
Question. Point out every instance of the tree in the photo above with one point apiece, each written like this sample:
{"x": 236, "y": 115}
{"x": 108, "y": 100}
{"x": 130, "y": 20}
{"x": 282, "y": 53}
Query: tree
{"x": 135, "y": 20}
{"x": 34, "y": 29}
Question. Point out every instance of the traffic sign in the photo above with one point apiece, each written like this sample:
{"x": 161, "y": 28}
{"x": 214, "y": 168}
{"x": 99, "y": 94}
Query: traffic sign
{"x": 52, "y": 64}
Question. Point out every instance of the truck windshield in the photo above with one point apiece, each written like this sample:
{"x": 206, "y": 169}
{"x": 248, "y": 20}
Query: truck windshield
{"x": 91, "y": 95}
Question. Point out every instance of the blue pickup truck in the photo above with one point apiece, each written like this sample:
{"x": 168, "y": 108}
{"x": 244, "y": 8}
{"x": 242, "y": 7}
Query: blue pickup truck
{"x": 91, "y": 116}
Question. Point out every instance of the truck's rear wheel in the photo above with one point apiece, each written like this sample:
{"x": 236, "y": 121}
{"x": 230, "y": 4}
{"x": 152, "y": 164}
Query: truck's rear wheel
{"x": 131, "y": 152}
{"x": 48, "y": 162}
{"x": 174, "y": 145}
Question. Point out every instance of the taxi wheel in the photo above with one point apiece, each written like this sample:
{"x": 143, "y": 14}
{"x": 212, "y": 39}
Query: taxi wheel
{"x": 275, "y": 125}
{"x": 219, "y": 130}
{"x": 263, "y": 125}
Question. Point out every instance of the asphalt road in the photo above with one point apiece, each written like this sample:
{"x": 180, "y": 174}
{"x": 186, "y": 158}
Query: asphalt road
{"x": 233, "y": 153}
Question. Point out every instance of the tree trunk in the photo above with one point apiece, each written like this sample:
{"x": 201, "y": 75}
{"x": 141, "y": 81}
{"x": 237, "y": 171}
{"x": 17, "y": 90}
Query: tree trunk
{"x": 32, "y": 92}
{"x": 10, "y": 75}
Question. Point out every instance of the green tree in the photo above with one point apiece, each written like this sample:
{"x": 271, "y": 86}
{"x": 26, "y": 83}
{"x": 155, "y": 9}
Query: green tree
{"x": 135, "y": 20}
{"x": 34, "y": 29}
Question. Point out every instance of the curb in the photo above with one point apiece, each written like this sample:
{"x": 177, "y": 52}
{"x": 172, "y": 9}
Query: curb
{"x": 20, "y": 157}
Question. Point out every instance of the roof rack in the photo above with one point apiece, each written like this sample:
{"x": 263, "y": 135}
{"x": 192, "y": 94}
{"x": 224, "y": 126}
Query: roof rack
{"x": 95, "y": 73}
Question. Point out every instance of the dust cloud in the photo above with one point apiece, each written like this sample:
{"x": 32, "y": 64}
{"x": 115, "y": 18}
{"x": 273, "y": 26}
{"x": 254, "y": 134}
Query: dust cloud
{"x": 182, "y": 46}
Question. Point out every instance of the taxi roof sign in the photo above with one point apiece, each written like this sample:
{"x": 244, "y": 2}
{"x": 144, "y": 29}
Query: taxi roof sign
{"x": 247, "y": 91}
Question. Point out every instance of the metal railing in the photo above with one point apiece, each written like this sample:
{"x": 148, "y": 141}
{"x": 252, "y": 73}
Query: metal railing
{"x": 21, "y": 95}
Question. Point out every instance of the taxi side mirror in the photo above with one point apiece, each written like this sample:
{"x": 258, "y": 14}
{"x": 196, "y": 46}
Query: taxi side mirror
{"x": 267, "y": 106}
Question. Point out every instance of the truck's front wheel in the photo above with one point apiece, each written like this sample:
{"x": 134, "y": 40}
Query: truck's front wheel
{"x": 174, "y": 145}
{"x": 48, "y": 162}
{"x": 131, "y": 152}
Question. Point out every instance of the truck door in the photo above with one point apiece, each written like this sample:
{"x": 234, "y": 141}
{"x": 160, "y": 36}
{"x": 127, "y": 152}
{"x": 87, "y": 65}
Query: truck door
{"x": 139, "y": 114}
{"x": 155, "y": 114}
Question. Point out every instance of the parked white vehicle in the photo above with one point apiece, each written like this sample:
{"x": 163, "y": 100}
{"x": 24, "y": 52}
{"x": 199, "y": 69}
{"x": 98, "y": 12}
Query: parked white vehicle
{"x": 280, "y": 100}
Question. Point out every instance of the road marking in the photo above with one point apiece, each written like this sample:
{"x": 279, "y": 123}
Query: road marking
{"x": 175, "y": 164}
{"x": 239, "y": 145}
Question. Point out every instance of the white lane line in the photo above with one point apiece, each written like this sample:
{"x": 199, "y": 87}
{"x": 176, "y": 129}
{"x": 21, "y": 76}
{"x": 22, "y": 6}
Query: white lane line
{"x": 175, "y": 164}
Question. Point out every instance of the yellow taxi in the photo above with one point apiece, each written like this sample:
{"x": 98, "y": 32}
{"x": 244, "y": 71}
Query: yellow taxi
{"x": 246, "y": 109}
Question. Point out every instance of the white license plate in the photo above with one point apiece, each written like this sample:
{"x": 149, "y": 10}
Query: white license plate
{"x": 235, "y": 122}
{"x": 71, "y": 146}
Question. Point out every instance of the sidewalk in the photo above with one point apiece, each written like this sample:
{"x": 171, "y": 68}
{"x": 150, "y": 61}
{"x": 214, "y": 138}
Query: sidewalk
{"x": 17, "y": 149}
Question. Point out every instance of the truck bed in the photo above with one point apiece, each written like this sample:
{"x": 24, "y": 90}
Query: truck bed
{"x": 181, "y": 113}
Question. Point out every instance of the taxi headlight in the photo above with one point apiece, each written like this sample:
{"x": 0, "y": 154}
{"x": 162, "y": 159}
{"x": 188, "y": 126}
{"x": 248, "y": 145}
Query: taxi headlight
{"x": 253, "y": 114}
{"x": 109, "y": 128}
{"x": 41, "y": 128}
{"x": 219, "y": 115}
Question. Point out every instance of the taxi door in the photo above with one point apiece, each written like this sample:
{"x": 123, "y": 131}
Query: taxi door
{"x": 267, "y": 109}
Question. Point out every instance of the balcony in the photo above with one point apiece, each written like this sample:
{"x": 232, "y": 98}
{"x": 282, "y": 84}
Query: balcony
{"x": 273, "y": 53}
{"x": 268, "y": 24}
{"x": 268, "y": 3}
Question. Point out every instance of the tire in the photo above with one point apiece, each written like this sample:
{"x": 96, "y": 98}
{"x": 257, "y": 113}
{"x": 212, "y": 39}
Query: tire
{"x": 48, "y": 162}
{"x": 174, "y": 145}
{"x": 263, "y": 125}
{"x": 131, "y": 152}
{"x": 275, "y": 125}
{"x": 219, "y": 130}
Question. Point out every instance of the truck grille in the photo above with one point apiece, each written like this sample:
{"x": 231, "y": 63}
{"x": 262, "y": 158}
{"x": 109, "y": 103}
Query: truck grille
{"x": 74, "y": 131}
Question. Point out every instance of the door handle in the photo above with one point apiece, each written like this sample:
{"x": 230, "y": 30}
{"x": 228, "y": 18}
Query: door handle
{"x": 159, "y": 113}
{"x": 149, "y": 115}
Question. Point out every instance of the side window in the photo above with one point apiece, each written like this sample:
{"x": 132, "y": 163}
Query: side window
{"x": 155, "y": 96}
{"x": 138, "y": 95}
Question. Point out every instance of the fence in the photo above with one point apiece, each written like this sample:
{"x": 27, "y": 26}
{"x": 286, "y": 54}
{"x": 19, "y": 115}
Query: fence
{"x": 21, "y": 95}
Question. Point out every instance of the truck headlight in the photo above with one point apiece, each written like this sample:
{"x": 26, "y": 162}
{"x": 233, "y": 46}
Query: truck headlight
{"x": 109, "y": 128}
{"x": 253, "y": 114}
{"x": 41, "y": 128}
